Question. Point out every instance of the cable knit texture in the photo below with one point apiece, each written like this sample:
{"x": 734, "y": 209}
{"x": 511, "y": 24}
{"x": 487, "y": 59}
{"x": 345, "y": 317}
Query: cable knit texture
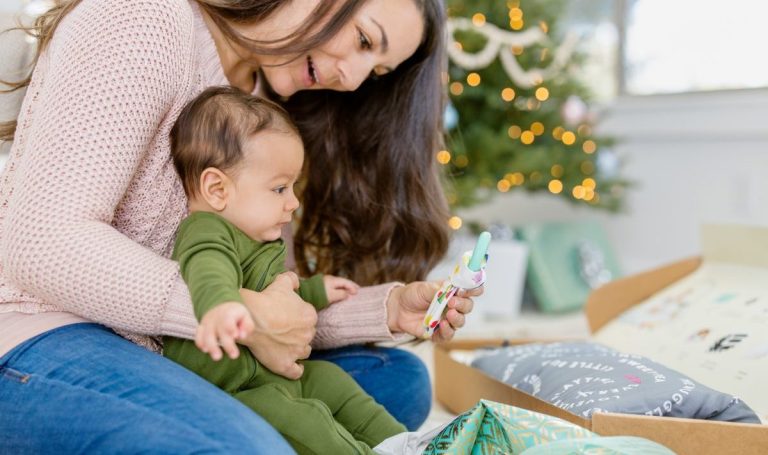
{"x": 89, "y": 199}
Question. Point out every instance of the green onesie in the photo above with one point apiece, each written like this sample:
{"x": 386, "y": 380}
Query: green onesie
{"x": 325, "y": 411}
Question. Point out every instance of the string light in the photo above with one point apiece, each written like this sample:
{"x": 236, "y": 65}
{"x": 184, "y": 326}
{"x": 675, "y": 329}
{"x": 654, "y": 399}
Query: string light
{"x": 527, "y": 137}
{"x": 578, "y": 192}
{"x": 557, "y": 171}
{"x": 478, "y": 20}
{"x": 542, "y": 94}
{"x": 589, "y": 147}
{"x": 503, "y": 185}
{"x": 516, "y": 25}
{"x": 515, "y": 14}
{"x": 537, "y": 128}
{"x": 457, "y": 88}
{"x": 508, "y": 94}
{"x": 455, "y": 222}
{"x": 555, "y": 186}
{"x": 557, "y": 133}
{"x": 569, "y": 138}
{"x": 443, "y": 157}
{"x": 514, "y": 131}
{"x": 589, "y": 183}
{"x": 473, "y": 79}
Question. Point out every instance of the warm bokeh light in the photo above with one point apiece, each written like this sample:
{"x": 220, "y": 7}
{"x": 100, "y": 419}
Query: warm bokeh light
{"x": 589, "y": 147}
{"x": 508, "y": 94}
{"x": 535, "y": 176}
{"x": 555, "y": 186}
{"x": 457, "y": 88}
{"x": 478, "y": 20}
{"x": 515, "y": 14}
{"x": 515, "y": 179}
{"x": 537, "y": 128}
{"x": 542, "y": 94}
{"x": 503, "y": 185}
{"x": 569, "y": 138}
{"x": 514, "y": 131}
{"x": 527, "y": 137}
{"x": 518, "y": 50}
{"x": 578, "y": 192}
{"x": 533, "y": 104}
{"x": 455, "y": 222}
{"x": 589, "y": 194}
{"x": 443, "y": 157}
{"x": 516, "y": 25}
{"x": 584, "y": 130}
{"x": 473, "y": 79}
{"x": 557, "y": 171}
{"x": 557, "y": 133}
{"x": 461, "y": 161}
{"x": 544, "y": 27}
{"x": 589, "y": 183}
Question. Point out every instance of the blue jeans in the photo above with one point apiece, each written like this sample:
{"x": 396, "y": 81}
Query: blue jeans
{"x": 81, "y": 388}
{"x": 396, "y": 379}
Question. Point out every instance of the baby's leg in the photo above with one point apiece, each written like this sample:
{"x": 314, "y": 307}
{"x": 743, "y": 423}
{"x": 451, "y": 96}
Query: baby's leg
{"x": 307, "y": 424}
{"x": 357, "y": 411}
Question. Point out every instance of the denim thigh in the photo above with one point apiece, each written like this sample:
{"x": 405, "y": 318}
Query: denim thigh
{"x": 396, "y": 379}
{"x": 82, "y": 388}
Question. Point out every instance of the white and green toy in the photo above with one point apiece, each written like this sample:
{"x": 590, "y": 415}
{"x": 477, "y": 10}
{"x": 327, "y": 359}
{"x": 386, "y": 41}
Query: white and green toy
{"x": 468, "y": 274}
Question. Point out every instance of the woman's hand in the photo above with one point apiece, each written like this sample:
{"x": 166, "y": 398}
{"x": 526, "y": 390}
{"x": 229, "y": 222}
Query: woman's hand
{"x": 284, "y": 326}
{"x": 408, "y": 305}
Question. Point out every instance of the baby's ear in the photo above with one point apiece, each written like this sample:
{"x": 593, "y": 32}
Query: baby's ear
{"x": 214, "y": 188}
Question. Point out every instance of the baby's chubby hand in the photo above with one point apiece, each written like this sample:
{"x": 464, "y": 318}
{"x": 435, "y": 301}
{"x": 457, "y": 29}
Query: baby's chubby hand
{"x": 221, "y": 327}
{"x": 338, "y": 288}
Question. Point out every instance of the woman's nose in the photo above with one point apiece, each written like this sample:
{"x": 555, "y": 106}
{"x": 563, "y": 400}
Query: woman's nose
{"x": 354, "y": 70}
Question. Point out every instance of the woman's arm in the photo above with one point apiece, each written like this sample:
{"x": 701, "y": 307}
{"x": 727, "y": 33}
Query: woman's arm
{"x": 110, "y": 76}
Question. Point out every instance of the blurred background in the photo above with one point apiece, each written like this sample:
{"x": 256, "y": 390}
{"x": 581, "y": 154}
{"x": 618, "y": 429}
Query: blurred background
{"x": 592, "y": 137}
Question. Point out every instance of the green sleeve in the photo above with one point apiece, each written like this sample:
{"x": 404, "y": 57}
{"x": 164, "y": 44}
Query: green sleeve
{"x": 312, "y": 290}
{"x": 209, "y": 263}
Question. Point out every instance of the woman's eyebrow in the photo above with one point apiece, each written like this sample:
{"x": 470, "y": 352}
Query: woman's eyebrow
{"x": 384, "y": 40}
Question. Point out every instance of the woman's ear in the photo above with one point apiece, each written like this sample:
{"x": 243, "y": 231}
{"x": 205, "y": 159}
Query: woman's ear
{"x": 215, "y": 188}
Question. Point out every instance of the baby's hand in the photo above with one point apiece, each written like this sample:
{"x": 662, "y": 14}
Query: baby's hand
{"x": 338, "y": 288}
{"x": 221, "y": 326}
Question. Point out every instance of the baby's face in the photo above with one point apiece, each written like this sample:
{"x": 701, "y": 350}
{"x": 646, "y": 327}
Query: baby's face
{"x": 262, "y": 200}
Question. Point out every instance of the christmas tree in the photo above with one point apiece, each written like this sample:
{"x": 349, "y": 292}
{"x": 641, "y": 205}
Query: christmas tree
{"x": 519, "y": 116}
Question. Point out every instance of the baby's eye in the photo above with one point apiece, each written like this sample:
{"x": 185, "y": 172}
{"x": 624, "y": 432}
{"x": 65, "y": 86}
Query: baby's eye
{"x": 280, "y": 189}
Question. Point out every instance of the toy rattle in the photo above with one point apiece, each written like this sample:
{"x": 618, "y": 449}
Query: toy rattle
{"x": 468, "y": 274}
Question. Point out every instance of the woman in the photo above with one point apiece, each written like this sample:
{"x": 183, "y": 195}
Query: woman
{"x": 89, "y": 203}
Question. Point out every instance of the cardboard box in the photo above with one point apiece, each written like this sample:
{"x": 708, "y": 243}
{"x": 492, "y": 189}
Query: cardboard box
{"x": 459, "y": 387}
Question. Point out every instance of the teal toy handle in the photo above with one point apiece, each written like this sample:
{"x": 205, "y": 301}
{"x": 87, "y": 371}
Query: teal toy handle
{"x": 481, "y": 249}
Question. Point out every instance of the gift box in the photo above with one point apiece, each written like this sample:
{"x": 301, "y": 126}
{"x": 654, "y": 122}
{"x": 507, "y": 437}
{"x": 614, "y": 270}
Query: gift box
{"x": 704, "y": 317}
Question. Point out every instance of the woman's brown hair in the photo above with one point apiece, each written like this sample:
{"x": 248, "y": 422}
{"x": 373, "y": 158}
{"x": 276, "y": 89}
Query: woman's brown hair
{"x": 373, "y": 206}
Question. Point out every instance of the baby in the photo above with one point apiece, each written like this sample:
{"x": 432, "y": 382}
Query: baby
{"x": 239, "y": 158}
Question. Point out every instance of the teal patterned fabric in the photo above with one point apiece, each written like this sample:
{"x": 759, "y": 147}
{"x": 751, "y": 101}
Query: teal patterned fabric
{"x": 495, "y": 428}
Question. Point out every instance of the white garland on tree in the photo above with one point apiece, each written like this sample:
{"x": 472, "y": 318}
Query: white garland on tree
{"x": 500, "y": 43}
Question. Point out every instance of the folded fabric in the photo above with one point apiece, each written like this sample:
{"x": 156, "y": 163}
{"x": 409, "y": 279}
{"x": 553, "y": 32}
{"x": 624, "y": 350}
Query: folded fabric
{"x": 496, "y": 428}
{"x": 584, "y": 377}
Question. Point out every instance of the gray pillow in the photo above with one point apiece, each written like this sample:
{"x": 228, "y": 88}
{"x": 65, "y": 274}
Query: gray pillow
{"x": 584, "y": 377}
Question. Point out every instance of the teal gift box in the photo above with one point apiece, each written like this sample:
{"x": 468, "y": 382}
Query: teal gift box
{"x": 566, "y": 262}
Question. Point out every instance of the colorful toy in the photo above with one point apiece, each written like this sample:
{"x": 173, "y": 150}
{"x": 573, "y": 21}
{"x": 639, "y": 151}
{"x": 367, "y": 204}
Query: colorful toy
{"x": 469, "y": 273}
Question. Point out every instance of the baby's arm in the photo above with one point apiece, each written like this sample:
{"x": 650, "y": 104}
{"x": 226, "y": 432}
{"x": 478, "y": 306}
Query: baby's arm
{"x": 323, "y": 290}
{"x": 209, "y": 263}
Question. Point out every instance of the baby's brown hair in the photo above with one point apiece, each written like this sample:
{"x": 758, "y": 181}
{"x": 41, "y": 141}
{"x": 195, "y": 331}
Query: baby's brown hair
{"x": 212, "y": 129}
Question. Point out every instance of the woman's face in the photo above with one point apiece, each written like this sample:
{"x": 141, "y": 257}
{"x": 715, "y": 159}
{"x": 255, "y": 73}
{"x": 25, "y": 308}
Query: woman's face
{"x": 380, "y": 36}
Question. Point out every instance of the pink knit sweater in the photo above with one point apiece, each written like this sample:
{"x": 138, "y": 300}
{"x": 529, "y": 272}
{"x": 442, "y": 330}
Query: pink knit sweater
{"x": 89, "y": 198}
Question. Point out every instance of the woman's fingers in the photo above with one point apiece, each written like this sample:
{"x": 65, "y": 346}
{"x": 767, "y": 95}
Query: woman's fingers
{"x": 461, "y": 304}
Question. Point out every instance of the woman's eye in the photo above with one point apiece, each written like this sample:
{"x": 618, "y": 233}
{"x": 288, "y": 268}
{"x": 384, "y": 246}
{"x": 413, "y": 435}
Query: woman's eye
{"x": 365, "y": 43}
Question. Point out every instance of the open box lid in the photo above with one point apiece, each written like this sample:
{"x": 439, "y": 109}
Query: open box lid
{"x": 732, "y": 244}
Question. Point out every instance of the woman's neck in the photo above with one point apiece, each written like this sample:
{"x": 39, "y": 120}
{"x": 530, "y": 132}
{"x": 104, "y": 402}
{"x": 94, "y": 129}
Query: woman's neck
{"x": 239, "y": 71}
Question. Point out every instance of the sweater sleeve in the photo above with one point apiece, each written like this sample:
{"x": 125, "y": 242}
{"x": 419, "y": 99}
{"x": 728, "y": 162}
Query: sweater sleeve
{"x": 113, "y": 71}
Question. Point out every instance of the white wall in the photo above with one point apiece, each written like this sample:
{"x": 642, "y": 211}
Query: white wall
{"x": 696, "y": 158}
{"x": 10, "y": 5}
